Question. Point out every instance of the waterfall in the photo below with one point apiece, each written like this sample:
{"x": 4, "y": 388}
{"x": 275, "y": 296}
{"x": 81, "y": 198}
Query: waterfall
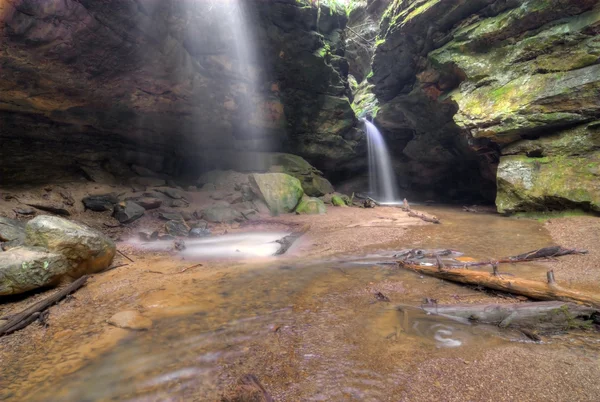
{"x": 382, "y": 180}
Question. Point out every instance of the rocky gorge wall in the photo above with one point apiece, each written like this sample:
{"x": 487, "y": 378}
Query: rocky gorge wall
{"x": 157, "y": 84}
{"x": 506, "y": 88}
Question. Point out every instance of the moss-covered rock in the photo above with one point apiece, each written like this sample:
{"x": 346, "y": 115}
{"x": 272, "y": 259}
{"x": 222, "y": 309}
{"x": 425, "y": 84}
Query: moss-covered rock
{"x": 311, "y": 206}
{"x": 281, "y": 192}
{"x": 312, "y": 180}
{"x": 554, "y": 182}
{"x": 338, "y": 201}
{"x": 23, "y": 269}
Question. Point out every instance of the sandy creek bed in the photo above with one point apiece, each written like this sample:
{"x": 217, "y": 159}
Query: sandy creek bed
{"x": 307, "y": 324}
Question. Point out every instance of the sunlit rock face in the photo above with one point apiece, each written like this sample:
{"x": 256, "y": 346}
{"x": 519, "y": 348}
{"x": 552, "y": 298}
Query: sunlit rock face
{"x": 155, "y": 83}
{"x": 474, "y": 78}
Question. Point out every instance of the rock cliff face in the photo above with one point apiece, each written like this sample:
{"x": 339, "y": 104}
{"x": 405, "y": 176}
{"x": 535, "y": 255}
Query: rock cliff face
{"x": 158, "y": 84}
{"x": 512, "y": 86}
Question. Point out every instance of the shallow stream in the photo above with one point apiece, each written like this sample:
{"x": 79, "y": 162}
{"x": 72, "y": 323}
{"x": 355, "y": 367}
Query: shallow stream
{"x": 313, "y": 330}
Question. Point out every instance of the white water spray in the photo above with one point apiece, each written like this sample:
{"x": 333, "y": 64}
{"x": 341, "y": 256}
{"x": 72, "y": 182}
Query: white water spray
{"x": 382, "y": 180}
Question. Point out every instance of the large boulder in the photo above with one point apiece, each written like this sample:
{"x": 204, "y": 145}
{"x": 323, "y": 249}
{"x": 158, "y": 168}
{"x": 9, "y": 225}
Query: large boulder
{"x": 23, "y": 269}
{"x": 87, "y": 250}
{"x": 281, "y": 192}
{"x": 311, "y": 206}
{"x": 312, "y": 180}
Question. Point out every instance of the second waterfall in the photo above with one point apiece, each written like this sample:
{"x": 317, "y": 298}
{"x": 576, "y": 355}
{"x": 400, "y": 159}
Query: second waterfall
{"x": 382, "y": 180}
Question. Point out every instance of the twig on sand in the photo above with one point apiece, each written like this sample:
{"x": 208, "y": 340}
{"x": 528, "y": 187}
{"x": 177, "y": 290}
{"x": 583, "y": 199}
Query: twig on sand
{"x": 193, "y": 266}
{"x": 30, "y": 314}
{"x": 124, "y": 255}
{"x": 113, "y": 267}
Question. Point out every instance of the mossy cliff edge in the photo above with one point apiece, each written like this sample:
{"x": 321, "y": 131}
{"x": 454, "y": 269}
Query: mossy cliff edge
{"x": 519, "y": 81}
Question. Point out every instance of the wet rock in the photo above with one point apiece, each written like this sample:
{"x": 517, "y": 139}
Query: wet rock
{"x": 11, "y": 229}
{"x": 199, "y": 232}
{"x": 128, "y": 211}
{"x": 146, "y": 202}
{"x": 148, "y": 236}
{"x": 281, "y": 192}
{"x": 23, "y": 269}
{"x": 311, "y": 206}
{"x": 24, "y": 211}
{"x": 199, "y": 225}
{"x": 130, "y": 319}
{"x": 171, "y": 192}
{"x": 87, "y": 250}
{"x": 177, "y": 228}
{"x": 101, "y": 202}
{"x": 170, "y": 216}
{"x": 222, "y": 214}
{"x": 54, "y": 208}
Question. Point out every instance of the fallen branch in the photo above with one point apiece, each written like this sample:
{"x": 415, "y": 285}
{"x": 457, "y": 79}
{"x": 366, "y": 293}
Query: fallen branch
{"x": 124, "y": 255}
{"x": 113, "y": 267}
{"x": 548, "y": 316}
{"x": 532, "y": 289}
{"x": 288, "y": 240}
{"x": 424, "y": 217}
{"x": 30, "y": 314}
{"x": 193, "y": 266}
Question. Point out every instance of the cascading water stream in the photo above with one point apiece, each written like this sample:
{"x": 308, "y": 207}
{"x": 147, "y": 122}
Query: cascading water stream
{"x": 382, "y": 180}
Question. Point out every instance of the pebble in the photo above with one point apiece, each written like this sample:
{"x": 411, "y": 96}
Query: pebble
{"x": 130, "y": 319}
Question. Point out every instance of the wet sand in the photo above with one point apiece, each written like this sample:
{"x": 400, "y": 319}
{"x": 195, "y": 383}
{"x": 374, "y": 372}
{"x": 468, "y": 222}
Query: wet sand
{"x": 306, "y": 323}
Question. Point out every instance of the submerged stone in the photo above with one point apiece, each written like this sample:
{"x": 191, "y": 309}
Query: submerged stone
{"x": 130, "y": 319}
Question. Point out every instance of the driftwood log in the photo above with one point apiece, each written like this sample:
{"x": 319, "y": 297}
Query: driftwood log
{"x": 545, "y": 316}
{"x": 24, "y": 318}
{"x": 533, "y": 289}
{"x": 431, "y": 219}
{"x": 288, "y": 240}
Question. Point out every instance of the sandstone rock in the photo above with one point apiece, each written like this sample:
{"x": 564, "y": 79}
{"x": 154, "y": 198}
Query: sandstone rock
{"x": 97, "y": 174}
{"x": 171, "y": 192}
{"x": 179, "y": 204}
{"x": 222, "y": 214}
{"x": 170, "y": 216}
{"x": 311, "y": 206}
{"x": 130, "y": 319}
{"x": 128, "y": 211}
{"x": 24, "y": 211}
{"x": 11, "y": 229}
{"x": 199, "y": 225}
{"x": 23, "y": 269}
{"x": 87, "y": 250}
{"x": 100, "y": 203}
{"x": 177, "y": 228}
{"x": 281, "y": 192}
{"x": 146, "y": 202}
